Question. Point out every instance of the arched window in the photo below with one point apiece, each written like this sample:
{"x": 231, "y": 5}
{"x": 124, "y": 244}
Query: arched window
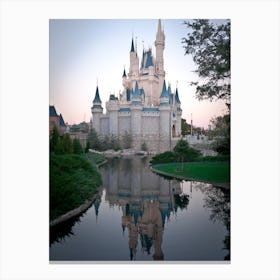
{"x": 173, "y": 131}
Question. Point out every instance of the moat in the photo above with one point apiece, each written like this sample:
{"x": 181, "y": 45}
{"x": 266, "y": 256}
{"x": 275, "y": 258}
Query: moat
{"x": 141, "y": 216}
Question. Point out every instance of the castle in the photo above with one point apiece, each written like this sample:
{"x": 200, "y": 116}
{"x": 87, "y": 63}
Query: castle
{"x": 146, "y": 109}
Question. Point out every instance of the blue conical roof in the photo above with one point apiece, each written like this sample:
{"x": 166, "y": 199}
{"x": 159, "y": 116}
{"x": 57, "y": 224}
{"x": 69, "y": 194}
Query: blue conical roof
{"x": 136, "y": 92}
{"x": 177, "y": 97}
{"x": 169, "y": 91}
{"x": 149, "y": 61}
{"x": 124, "y": 74}
{"x": 61, "y": 121}
{"x": 164, "y": 92}
{"x": 97, "y": 97}
{"x": 132, "y": 46}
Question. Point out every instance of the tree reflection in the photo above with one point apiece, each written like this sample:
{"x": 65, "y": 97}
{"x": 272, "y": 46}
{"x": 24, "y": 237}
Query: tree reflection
{"x": 217, "y": 201}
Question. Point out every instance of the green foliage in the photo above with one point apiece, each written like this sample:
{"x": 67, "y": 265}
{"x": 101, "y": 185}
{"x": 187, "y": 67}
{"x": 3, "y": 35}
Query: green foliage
{"x": 144, "y": 147}
{"x": 183, "y": 152}
{"x": 54, "y": 139}
{"x": 163, "y": 158}
{"x": 217, "y": 158}
{"x": 73, "y": 179}
{"x": 209, "y": 45}
{"x": 95, "y": 158}
{"x": 185, "y": 127}
{"x": 114, "y": 143}
{"x": 77, "y": 148}
{"x": 87, "y": 147}
{"x": 64, "y": 145}
{"x": 94, "y": 140}
{"x": 221, "y": 134}
{"x": 67, "y": 144}
{"x": 126, "y": 140}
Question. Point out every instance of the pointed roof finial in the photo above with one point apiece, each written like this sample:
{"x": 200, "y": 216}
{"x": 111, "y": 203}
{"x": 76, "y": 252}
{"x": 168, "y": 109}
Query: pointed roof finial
{"x": 97, "y": 97}
{"x": 164, "y": 92}
{"x": 132, "y": 46}
{"x": 124, "y": 73}
{"x": 159, "y": 25}
{"x": 97, "y": 82}
{"x": 177, "y": 99}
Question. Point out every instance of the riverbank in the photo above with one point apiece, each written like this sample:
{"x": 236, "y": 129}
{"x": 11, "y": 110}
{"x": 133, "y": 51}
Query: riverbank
{"x": 74, "y": 180}
{"x": 216, "y": 173}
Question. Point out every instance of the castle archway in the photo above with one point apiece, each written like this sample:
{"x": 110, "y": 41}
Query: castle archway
{"x": 173, "y": 131}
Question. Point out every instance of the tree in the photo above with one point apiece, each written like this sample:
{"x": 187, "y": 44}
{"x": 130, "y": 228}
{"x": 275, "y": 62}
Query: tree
{"x": 144, "y": 146}
{"x": 185, "y": 127}
{"x": 77, "y": 148}
{"x": 127, "y": 140}
{"x": 67, "y": 144}
{"x": 209, "y": 45}
{"x": 87, "y": 147}
{"x": 94, "y": 140}
{"x": 221, "y": 134}
{"x": 54, "y": 139}
{"x": 184, "y": 152}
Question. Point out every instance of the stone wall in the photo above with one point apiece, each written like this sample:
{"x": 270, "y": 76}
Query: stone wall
{"x": 124, "y": 124}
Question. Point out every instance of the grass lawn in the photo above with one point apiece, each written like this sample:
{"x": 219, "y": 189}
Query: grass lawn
{"x": 73, "y": 180}
{"x": 212, "y": 172}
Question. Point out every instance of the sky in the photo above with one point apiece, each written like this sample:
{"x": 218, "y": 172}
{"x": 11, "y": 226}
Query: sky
{"x": 87, "y": 52}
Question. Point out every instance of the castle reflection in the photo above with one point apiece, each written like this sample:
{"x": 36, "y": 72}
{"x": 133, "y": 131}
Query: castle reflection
{"x": 147, "y": 201}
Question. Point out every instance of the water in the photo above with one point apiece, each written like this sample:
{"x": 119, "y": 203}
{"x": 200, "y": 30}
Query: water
{"x": 140, "y": 216}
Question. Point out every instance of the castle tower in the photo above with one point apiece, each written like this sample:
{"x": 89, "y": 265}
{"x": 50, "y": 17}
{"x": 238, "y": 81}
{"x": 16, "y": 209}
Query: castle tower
{"x": 113, "y": 106}
{"x": 159, "y": 44}
{"x": 96, "y": 111}
{"x": 179, "y": 112}
{"x": 136, "y": 108}
{"x": 134, "y": 61}
{"x": 165, "y": 120}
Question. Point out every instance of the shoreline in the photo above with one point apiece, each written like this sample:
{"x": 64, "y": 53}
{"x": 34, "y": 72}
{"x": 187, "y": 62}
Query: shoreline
{"x": 170, "y": 175}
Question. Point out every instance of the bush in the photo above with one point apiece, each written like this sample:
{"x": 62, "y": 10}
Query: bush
{"x": 127, "y": 140}
{"x": 73, "y": 180}
{"x": 144, "y": 147}
{"x": 77, "y": 148}
{"x": 163, "y": 158}
{"x": 184, "y": 152}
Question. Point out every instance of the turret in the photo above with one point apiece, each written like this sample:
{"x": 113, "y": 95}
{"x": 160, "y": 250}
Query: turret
{"x": 134, "y": 61}
{"x": 113, "y": 106}
{"x": 165, "y": 120}
{"x": 136, "y": 108}
{"x": 179, "y": 113}
{"x": 96, "y": 111}
{"x": 164, "y": 97}
{"x": 159, "y": 44}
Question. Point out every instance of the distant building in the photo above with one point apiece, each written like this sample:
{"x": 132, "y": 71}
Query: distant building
{"x": 56, "y": 120}
{"x": 146, "y": 108}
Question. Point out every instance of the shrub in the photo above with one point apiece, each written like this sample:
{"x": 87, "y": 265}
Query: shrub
{"x": 164, "y": 158}
{"x": 77, "y": 148}
{"x": 144, "y": 147}
{"x": 184, "y": 152}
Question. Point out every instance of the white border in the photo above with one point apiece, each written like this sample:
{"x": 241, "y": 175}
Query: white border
{"x": 24, "y": 138}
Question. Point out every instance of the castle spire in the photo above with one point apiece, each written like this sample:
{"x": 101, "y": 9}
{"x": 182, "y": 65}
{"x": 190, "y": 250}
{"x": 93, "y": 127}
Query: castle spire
{"x": 132, "y": 46}
{"x": 164, "y": 92}
{"x": 97, "y": 97}
{"x": 159, "y": 26}
{"x": 177, "y": 96}
{"x": 124, "y": 73}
